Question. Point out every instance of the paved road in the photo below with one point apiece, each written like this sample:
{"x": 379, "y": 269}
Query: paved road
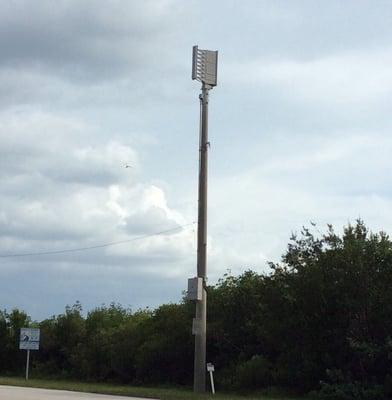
{"x": 22, "y": 393}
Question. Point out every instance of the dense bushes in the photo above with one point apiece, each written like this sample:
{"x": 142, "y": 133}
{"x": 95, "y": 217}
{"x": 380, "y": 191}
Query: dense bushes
{"x": 321, "y": 320}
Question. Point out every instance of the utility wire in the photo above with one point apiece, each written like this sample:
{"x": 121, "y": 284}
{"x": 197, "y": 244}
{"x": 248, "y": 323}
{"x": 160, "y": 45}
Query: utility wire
{"x": 98, "y": 246}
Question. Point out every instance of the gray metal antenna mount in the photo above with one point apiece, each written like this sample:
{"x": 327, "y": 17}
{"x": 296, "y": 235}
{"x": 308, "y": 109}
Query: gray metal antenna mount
{"x": 205, "y": 66}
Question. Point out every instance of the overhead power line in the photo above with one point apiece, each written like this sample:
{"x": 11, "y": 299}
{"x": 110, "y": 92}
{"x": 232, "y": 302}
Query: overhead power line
{"x": 98, "y": 246}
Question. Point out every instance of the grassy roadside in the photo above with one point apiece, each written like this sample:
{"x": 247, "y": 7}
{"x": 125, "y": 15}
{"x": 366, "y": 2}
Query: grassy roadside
{"x": 122, "y": 390}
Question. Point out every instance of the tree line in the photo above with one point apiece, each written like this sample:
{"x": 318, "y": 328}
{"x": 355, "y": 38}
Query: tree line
{"x": 320, "y": 320}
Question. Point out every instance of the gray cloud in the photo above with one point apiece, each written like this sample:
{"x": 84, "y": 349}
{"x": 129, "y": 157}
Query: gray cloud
{"x": 299, "y": 131}
{"x": 84, "y": 41}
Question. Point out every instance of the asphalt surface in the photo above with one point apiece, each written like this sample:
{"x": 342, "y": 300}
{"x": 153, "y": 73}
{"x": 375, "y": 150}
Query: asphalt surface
{"x": 24, "y": 393}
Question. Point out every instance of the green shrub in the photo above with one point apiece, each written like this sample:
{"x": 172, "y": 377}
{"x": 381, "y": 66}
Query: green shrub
{"x": 253, "y": 374}
{"x": 351, "y": 391}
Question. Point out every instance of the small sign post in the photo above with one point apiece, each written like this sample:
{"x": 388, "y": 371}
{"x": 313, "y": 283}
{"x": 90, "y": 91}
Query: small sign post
{"x": 29, "y": 340}
{"x": 27, "y": 364}
{"x": 211, "y": 369}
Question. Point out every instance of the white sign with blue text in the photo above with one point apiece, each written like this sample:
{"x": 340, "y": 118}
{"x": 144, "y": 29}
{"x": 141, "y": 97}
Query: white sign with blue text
{"x": 29, "y": 339}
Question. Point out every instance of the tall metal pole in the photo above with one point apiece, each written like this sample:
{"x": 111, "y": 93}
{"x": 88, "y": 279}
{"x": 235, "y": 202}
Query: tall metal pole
{"x": 201, "y": 305}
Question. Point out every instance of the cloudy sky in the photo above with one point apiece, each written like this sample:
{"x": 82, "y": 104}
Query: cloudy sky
{"x": 300, "y": 131}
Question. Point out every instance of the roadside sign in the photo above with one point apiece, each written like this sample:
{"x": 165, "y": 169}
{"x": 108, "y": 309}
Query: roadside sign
{"x": 211, "y": 369}
{"x": 29, "y": 339}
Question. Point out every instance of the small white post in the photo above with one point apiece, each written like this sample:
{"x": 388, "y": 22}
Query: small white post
{"x": 27, "y": 364}
{"x": 212, "y": 382}
{"x": 211, "y": 369}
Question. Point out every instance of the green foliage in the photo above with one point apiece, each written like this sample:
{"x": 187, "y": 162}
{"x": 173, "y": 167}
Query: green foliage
{"x": 327, "y": 305}
{"x": 10, "y": 323}
{"x": 253, "y": 374}
{"x": 351, "y": 391}
{"x": 166, "y": 355}
{"x": 321, "y": 320}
